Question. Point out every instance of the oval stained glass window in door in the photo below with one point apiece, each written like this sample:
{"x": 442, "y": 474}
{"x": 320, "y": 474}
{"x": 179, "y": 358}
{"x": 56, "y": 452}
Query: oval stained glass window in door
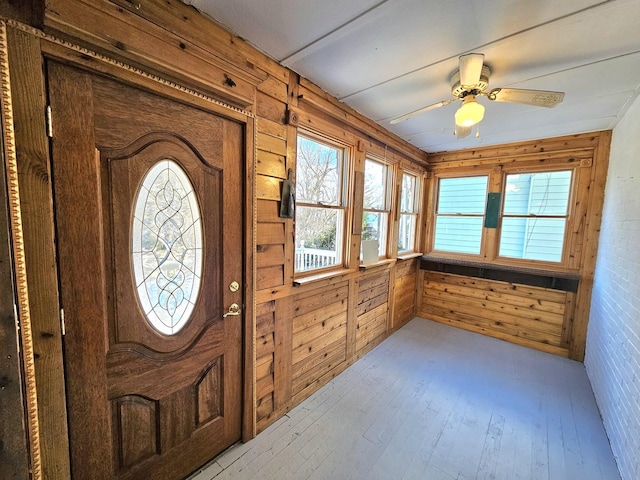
{"x": 166, "y": 247}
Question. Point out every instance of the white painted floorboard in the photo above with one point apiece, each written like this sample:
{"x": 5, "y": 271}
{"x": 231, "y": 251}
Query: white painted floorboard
{"x": 433, "y": 402}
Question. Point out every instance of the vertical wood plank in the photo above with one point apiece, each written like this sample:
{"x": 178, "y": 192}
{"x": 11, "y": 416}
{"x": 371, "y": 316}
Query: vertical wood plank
{"x": 567, "y": 324}
{"x": 283, "y": 351}
{"x": 38, "y": 228}
{"x": 428, "y": 207}
{"x": 78, "y": 178}
{"x": 354, "y": 215}
{"x": 580, "y": 215}
{"x": 491, "y": 235}
{"x": 390, "y": 298}
{"x": 14, "y": 456}
{"x": 289, "y": 241}
{"x": 393, "y": 272}
{"x": 591, "y": 236}
{"x": 352, "y": 319}
{"x": 394, "y": 222}
{"x": 249, "y": 285}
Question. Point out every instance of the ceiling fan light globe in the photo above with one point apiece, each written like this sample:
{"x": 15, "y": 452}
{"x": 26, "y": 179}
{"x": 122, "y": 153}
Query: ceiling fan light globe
{"x": 470, "y": 113}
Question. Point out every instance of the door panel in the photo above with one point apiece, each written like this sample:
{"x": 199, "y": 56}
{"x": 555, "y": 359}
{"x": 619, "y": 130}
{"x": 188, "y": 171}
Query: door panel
{"x": 125, "y": 169}
{"x": 143, "y": 403}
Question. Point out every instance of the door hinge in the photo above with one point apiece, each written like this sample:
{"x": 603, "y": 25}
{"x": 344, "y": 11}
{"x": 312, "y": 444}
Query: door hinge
{"x": 62, "y": 325}
{"x": 49, "y": 122}
{"x": 17, "y": 321}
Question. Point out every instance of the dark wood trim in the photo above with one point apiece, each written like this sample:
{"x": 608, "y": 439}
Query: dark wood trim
{"x": 523, "y": 276}
{"x": 34, "y": 171}
{"x": 595, "y": 201}
{"x": 14, "y": 454}
{"x": 29, "y": 12}
{"x": 249, "y": 330}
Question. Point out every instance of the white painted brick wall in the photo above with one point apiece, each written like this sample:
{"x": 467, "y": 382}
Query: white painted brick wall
{"x": 613, "y": 340}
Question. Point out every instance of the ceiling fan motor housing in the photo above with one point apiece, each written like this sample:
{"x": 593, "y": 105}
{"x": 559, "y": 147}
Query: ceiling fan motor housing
{"x": 460, "y": 91}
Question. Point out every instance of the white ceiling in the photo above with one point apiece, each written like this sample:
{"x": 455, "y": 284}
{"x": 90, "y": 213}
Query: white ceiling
{"x": 385, "y": 58}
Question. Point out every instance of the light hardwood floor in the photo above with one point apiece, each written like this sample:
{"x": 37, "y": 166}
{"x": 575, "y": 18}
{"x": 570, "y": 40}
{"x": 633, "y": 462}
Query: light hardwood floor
{"x": 433, "y": 402}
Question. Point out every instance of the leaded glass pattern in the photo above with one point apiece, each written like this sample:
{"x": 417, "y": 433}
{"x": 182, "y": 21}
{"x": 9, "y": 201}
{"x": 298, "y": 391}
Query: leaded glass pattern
{"x": 167, "y": 247}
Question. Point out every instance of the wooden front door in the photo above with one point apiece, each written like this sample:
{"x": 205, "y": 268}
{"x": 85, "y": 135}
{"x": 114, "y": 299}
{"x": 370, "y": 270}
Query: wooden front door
{"x": 148, "y": 200}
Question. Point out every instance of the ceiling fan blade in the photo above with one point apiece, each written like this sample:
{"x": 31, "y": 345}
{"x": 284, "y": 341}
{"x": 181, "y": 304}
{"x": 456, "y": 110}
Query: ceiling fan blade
{"x": 470, "y": 69}
{"x": 461, "y": 132}
{"x": 538, "y": 98}
{"x": 422, "y": 110}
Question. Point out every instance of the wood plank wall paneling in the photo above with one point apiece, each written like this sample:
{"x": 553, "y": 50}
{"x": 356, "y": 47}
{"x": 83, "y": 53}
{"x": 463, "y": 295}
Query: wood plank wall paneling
{"x": 34, "y": 171}
{"x": 307, "y": 334}
{"x": 14, "y": 454}
{"x": 265, "y": 348}
{"x": 304, "y": 335}
{"x": 529, "y": 316}
{"x": 319, "y": 334}
{"x": 372, "y": 310}
{"x": 549, "y": 320}
{"x": 271, "y": 168}
{"x": 153, "y": 46}
{"x": 405, "y": 291}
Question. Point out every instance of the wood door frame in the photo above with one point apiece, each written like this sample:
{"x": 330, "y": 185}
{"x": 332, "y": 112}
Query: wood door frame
{"x": 47, "y": 47}
{"x": 14, "y": 457}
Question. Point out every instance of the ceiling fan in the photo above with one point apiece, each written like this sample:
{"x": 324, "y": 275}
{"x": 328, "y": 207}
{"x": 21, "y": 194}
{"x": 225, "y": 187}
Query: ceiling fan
{"x": 472, "y": 80}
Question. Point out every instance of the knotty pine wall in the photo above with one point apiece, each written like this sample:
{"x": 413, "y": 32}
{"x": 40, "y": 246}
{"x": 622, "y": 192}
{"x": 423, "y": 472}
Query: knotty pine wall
{"x": 548, "y": 319}
{"x": 531, "y": 316}
{"x": 405, "y": 292}
{"x": 303, "y": 334}
{"x": 307, "y": 332}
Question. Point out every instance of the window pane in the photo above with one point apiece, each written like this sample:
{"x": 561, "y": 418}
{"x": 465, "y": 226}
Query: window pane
{"x": 407, "y": 201}
{"x": 374, "y": 227}
{"x": 458, "y": 234}
{"x": 375, "y": 185}
{"x": 532, "y": 238}
{"x": 318, "y": 238}
{"x": 318, "y": 173}
{"x": 537, "y": 193}
{"x": 166, "y": 247}
{"x": 407, "y": 233}
{"x": 462, "y": 195}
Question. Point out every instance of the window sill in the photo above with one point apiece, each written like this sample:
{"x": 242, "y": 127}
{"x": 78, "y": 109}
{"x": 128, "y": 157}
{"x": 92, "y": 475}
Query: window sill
{"x": 409, "y": 256}
{"x": 379, "y": 263}
{"x": 322, "y": 276}
{"x": 535, "y": 277}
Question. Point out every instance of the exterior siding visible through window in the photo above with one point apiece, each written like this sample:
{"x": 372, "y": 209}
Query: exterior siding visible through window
{"x": 534, "y": 215}
{"x": 409, "y": 210}
{"x": 460, "y": 214}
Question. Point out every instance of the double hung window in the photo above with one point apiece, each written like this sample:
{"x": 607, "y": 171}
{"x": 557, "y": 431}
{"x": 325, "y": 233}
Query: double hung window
{"x": 320, "y": 192}
{"x": 376, "y": 204}
{"x": 460, "y": 214}
{"x": 531, "y": 212}
{"x": 534, "y": 215}
{"x": 409, "y": 209}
